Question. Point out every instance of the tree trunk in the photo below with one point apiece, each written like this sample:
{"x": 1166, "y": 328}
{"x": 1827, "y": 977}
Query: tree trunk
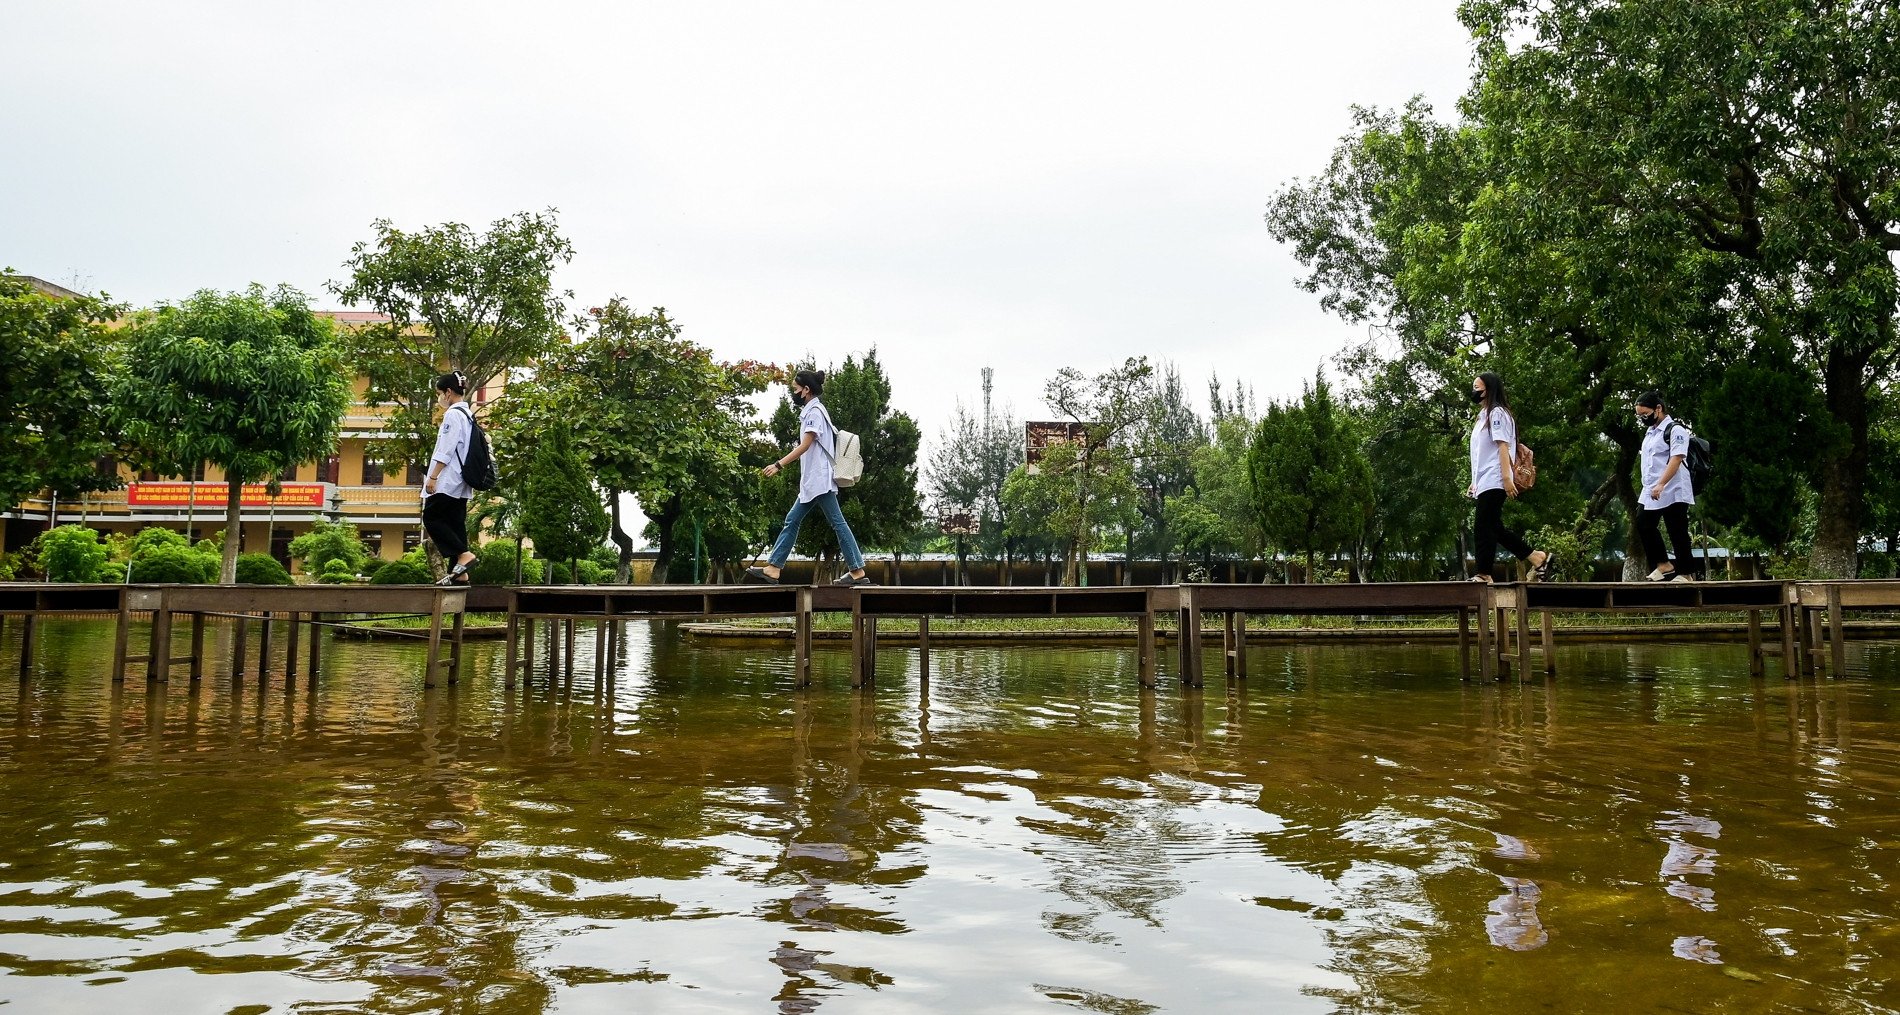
{"x": 623, "y": 572}
{"x": 1843, "y": 470}
{"x": 233, "y": 529}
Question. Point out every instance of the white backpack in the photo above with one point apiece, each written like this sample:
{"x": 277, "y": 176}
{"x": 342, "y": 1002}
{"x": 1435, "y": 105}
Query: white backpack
{"x": 847, "y": 465}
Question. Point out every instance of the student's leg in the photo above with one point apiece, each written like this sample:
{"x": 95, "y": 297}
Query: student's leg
{"x": 446, "y": 525}
{"x": 847, "y": 543}
{"x": 1676, "y": 517}
{"x": 1485, "y": 530}
{"x": 782, "y": 550}
{"x": 1649, "y": 533}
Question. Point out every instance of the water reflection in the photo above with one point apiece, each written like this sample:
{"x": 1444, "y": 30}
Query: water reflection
{"x": 1351, "y": 829}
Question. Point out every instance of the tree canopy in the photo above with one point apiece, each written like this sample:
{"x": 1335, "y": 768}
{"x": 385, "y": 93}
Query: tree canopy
{"x": 59, "y": 361}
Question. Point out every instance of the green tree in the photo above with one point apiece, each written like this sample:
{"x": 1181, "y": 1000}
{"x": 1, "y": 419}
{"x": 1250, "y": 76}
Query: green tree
{"x": 652, "y": 414}
{"x": 1311, "y": 484}
{"x": 73, "y": 553}
{"x": 885, "y": 507}
{"x": 1108, "y": 405}
{"x": 329, "y": 541}
{"x": 1162, "y": 446}
{"x": 974, "y": 459}
{"x": 455, "y": 300}
{"x": 247, "y": 381}
{"x": 560, "y": 508}
{"x": 58, "y": 356}
{"x": 1215, "y": 514}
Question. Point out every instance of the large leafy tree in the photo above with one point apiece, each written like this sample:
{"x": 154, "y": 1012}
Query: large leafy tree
{"x": 58, "y": 356}
{"x": 1312, "y": 485}
{"x": 1162, "y": 446}
{"x": 885, "y": 508}
{"x": 972, "y": 463}
{"x": 653, "y": 415}
{"x": 251, "y": 382}
{"x": 455, "y": 299}
{"x": 560, "y": 508}
{"x": 1754, "y": 135}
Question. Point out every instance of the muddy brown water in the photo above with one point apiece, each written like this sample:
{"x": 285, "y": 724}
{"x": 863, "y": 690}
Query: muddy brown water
{"x": 1353, "y": 829}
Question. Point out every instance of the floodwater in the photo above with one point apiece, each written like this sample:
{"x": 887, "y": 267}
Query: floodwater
{"x": 1350, "y": 830}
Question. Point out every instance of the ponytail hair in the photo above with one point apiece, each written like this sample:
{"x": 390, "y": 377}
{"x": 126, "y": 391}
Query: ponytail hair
{"x": 454, "y": 380}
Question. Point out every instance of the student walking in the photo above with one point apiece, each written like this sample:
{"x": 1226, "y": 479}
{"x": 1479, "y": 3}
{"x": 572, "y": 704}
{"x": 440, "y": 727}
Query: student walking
{"x": 1493, "y": 479}
{"x": 816, "y": 489}
{"x": 1667, "y": 491}
{"x": 446, "y": 492}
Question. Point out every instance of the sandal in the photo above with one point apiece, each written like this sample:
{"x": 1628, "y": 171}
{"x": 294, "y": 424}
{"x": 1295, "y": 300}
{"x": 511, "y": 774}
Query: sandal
{"x": 459, "y": 571}
{"x": 1541, "y": 572}
{"x": 757, "y": 576}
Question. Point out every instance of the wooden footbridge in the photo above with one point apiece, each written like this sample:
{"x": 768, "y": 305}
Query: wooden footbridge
{"x": 1804, "y": 620}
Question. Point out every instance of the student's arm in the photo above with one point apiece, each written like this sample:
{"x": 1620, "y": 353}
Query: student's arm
{"x": 1507, "y": 468}
{"x": 797, "y": 452}
{"x": 1669, "y": 472}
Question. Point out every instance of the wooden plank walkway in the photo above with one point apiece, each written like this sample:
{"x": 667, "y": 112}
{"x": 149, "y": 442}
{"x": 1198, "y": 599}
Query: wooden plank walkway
{"x": 1810, "y": 602}
{"x": 293, "y": 606}
{"x": 1755, "y": 598}
{"x": 1468, "y": 600}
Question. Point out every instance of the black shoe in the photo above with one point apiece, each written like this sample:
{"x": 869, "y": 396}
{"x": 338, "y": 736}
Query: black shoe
{"x": 757, "y": 576}
{"x": 848, "y": 582}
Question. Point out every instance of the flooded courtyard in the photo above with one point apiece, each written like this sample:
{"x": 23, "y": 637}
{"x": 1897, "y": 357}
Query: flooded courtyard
{"x": 1351, "y": 829}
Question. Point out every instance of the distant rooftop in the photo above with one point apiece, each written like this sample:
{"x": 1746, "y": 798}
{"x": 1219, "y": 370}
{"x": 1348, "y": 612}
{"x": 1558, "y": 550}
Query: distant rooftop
{"x": 49, "y": 288}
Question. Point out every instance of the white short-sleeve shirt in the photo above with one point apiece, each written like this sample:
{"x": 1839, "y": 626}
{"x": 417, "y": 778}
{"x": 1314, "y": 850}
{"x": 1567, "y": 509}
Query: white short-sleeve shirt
{"x": 451, "y": 446}
{"x": 1487, "y": 472}
{"x": 814, "y": 466}
{"x": 1657, "y": 451}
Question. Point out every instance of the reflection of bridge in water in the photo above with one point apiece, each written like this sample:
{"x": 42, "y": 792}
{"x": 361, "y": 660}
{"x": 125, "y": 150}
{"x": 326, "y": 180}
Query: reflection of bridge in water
{"x": 1494, "y": 621}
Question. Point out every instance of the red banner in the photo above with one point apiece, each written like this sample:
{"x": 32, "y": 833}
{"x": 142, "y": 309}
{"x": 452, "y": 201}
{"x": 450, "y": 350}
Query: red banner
{"x": 211, "y": 495}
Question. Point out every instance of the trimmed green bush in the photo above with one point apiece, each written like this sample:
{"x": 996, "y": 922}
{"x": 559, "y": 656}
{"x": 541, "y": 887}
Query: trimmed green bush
{"x": 590, "y": 573}
{"x": 74, "y": 553}
{"x": 173, "y": 564}
{"x": 495, "y": 565}
{"x": 152, "y": 538}
{"x": 402, "y": 571}
{"x": 329, "y": 541}
{"x": 261, "y": 569}
{"x": 337, "y": 571}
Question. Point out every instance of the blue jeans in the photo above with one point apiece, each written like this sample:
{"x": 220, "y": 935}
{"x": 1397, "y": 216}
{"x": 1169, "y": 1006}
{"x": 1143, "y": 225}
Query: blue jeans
{"x": 782, "y": 550}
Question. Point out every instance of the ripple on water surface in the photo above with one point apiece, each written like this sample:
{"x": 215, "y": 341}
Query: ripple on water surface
{"x": 1352, "y": 829}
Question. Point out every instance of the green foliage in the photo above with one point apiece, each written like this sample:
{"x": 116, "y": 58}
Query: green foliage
{"x": 10, "y": 566}
{"x": 972, "y": 463}
{"x": 590, "y": 573}
{"x": 337, "y": 571}
{"x": 1090, "y": 483}
{"x": 1574, "y": 549}
{"x": 261, "y": 569}
{"x": 561, "y": 510}
{"x": 1766, "y": 417}
{"x": 479, "y": 303}
{"x": 173, "y": 563}
{"x": 411, "y": 568}
{"x": 1312, "y": 486}
{"x": 152, "y": 538}
{"x": 59, "y": 356}
{"x": 251, "y": 382}
{"x": 495, "y": 565}
{"x": 329, "y": 542}
{"x": 73, "y": 553}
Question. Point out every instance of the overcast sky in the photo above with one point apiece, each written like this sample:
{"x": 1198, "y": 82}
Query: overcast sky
{"x": 1022, "y": 185}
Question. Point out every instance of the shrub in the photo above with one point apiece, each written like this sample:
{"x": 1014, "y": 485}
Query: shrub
{"x": 590, "y": 573}
{"x": 9, "y": 566}
{"x": 337, "y": 571}
{"x": 328, "y": 541}
{"x": 261, "y": 569}
{"x": 607, "y": 557}
{"x": 73, "y": 553}
{"x": 151, "y": 538}
{"x": 1573, "y": 554}
{"x": 495, "y": 565}
{"x": 402, "y": 571}
{"x": 180, "y": 564}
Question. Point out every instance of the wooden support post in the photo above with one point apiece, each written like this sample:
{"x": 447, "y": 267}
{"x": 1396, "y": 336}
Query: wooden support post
{"x": 159, "y": 668}
{"x": 1464, "y": 643}
{"x": 263, "y": 648}
{"x": 1523, "y": 618}
{"x": 316, "y": 650}
{"x": 600, "y": 651}
{"x": 1755, "y": 666}
{"x": 801, "y": 638}
{"x": 119, "y": 642}
{"x": 923, "y": 647}
{"x": 1487, "y": 650}
{"x": 197, "y": 665}
{"x": 1550, "y": 641}
{"x": 435, "y": 641}
{"x": 870, "y": 651}
{"x": 455, "y": 649}
{"x": 1790, "y": 660}
{"x": 238, "y": 637}
{"x": 1836, "y": 633}
{"x": 1145, "y": 648}
{"x": 1240, "y": 645}
{"x": 529, "y": 632}
{"x": 1227, "y": 643}
{"x": 860, "y": 647}
{"x": 1811, "y": 658}
{"x": 290, "y": 650}
{"x": 513, "y": 651}
{"x": 1191, "y": 664}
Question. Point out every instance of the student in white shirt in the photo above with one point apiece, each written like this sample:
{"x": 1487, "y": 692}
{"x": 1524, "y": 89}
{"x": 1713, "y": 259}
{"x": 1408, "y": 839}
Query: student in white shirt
{"x": 445, "y": 493}
{"x": 1493, "y": 478}
{"x": 1667, "y": 491}
{"x": 816, "y": 488}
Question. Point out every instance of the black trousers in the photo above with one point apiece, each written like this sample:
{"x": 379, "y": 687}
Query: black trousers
{"x": 1490, "y": 532}
{"x": 445, "y": 519}
{"x": 1648, "y": 530}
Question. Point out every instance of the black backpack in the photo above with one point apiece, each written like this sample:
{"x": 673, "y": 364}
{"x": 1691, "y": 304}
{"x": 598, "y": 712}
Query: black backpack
{"x": 478, "y": 465}
{"x": 1700, "y": 461}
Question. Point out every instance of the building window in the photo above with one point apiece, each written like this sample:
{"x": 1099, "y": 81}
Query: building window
{"x": 373, "y": 540}
{"x": 332, "y": 468}
{"x": 372, "y": 471}
{"x": 411, "y": 538}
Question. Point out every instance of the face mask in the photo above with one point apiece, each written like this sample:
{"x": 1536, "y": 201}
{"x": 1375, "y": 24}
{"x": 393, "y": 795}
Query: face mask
{"x": 799, "y": 400}
{"x": 1476, "y": 395}
{"x": 1649, "y": 419}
